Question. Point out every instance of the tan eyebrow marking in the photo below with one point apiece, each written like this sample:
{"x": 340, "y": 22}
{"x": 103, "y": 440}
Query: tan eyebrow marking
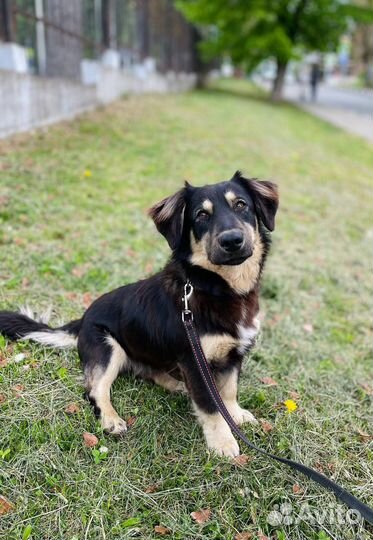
{"x": 230, "y": 196}
{"x": 208, "y": 206}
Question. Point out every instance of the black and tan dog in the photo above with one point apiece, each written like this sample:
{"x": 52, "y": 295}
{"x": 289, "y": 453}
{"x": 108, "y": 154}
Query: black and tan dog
{"x": 219, "y": 240}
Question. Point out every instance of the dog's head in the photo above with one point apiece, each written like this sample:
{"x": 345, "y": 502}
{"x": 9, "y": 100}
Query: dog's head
{"x": 218, "y": 223}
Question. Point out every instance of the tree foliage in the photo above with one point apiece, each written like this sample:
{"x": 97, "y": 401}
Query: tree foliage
{"x": 250, "y": 31}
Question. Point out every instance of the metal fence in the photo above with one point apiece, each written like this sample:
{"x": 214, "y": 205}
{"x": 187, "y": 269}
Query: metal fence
{"x": 58, "y": 34}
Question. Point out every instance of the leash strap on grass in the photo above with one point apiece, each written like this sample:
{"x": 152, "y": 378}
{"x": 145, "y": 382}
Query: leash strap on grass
{"x": 355, "y": 504}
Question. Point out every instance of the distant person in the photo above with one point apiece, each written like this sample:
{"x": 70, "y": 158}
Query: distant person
{"x": 315, "y": 77}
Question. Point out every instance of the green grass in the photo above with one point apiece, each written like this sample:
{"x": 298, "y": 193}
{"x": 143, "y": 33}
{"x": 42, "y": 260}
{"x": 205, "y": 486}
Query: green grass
{"x": 67, "y": 237}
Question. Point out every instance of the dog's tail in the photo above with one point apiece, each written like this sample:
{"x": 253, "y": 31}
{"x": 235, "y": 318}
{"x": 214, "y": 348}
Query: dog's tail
{"x": 24, "y": 325}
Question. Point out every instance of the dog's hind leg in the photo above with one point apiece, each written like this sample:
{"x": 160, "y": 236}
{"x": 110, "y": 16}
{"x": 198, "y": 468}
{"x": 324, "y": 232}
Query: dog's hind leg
{"x": 103, "y": 360}
{"x": 169, "y": 383}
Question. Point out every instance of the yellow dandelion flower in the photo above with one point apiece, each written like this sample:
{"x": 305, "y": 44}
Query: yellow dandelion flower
{"x": 290, "y": 405}
{"x": 87, "y": 173}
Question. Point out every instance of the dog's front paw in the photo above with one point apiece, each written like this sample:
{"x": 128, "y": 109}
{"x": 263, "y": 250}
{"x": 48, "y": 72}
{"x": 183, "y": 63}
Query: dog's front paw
{"x": 218, "y": 435}
{"x": 114, "y": 425}
{"x": 241, "y": 416}
{"x": 227, "y": 446}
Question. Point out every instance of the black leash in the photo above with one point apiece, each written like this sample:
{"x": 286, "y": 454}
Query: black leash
{"x": 187, "y": 316}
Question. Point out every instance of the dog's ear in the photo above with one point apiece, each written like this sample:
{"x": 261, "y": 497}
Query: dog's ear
{"x": 264, "y": 195}
{"x": 168, "y": 216}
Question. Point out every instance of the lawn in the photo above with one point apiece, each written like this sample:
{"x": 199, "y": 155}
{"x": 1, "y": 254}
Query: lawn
{"x": 73, "y": 203}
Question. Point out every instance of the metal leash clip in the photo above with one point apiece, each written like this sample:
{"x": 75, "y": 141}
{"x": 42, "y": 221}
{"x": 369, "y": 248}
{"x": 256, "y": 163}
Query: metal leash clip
{"x": 186, "y": 314}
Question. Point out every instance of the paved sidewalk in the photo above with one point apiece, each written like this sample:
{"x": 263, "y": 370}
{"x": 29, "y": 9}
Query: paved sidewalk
{"x": 348, "y": 108}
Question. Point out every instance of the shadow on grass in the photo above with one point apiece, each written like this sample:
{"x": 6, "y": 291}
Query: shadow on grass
{"x": 244, "y": 90}
{"x": 249, "y": 92}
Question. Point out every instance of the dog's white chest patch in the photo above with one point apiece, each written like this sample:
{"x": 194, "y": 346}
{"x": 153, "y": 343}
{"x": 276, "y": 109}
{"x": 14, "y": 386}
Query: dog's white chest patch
{"x": 247, "y": 335}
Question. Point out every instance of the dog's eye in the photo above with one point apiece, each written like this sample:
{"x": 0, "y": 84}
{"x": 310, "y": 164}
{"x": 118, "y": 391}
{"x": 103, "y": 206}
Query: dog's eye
{"x": 202, "y": 215}
{"x": 240, "y": 204}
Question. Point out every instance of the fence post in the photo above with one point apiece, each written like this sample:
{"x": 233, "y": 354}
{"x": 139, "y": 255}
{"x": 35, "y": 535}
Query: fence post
{"x": 106, "y": 19}
{"x": 40, "y": 38}
{"x": 143, "y": 28}
{"x": 7, "y": 21}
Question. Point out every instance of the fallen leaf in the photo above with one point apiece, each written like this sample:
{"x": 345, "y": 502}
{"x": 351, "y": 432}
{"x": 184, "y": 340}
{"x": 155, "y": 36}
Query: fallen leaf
{"x": 90, "y": 440}
{"x": 262, "y": 536}
{"x": 20, "y": 241}
{"x": 5, "y": 506}
{"x": 71, "y": 296}
{"x": 131, "y": 420}
{"x": 17, "y": 389}
{"x": 243, "y": 536}
{"x": 149, "y": 267}
{"x": 2, "y": 398}
{"x": 275, "y": 320}
{"x": 3, "y": 361}
{"x": 290, "y": 405}
{"x": 266, "y": 426}
{"x": 25, "y": 282}
{"x": 268, "y": 381}
{"x": 297, "y": 489}
{"x": 201, "y": 516}
{"x": 364, "y": 436}
{"x": 159, "y": 529}
{"x": 308, "y": 328}
{"x": 78, "y": 271}
{"x": 368, "y": 388}
{"x": 4, "y": 200}
{"x": 294, "y": 395}
{"x": 152, "y": 489}
{"x": 29, "y": 162}
{"x": 72, "y": 408}
{"x": 241, "y": 460}
{"x": 87, "y": 299}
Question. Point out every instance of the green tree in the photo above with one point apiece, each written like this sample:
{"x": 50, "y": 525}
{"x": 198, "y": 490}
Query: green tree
{"x": 250, "y": 31}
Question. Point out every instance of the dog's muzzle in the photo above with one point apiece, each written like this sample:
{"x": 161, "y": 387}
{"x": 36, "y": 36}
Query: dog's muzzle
{"x": 231, "y": 248}
{"x": 231, "y": 241}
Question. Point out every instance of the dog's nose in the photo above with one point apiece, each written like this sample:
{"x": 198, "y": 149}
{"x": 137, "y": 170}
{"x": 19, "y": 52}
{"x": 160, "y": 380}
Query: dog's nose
{"x": 231, "y": 240}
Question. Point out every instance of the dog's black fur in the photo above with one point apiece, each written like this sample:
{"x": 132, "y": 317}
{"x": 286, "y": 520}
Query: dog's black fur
{"x": 219, "y": 240}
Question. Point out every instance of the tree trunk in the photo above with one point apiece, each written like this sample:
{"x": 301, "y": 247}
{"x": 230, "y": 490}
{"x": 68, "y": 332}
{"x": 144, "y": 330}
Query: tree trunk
{"x": 278, "y": 83}
{"x": 198, "y": 65}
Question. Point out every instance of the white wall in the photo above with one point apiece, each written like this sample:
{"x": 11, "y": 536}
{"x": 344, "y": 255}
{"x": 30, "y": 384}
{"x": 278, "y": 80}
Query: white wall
{"x": 28, "y": 101}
